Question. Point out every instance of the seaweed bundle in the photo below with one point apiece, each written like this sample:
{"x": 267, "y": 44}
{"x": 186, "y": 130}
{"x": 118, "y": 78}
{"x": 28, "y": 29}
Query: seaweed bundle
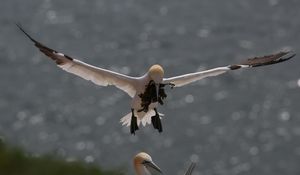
{"x": 149, "y": 96}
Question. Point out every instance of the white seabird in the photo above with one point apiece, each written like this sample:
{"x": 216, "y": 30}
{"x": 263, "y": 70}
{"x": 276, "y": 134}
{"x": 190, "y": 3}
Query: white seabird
{"x": 144, "y": 165}
{"x": 146, "y": 91}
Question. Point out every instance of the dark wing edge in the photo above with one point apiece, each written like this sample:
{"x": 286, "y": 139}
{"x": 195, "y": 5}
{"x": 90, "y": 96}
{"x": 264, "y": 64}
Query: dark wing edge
{"x": 190, "y": 169}
{"x": 264, "y": 60}
{"x": 53, "y": 54}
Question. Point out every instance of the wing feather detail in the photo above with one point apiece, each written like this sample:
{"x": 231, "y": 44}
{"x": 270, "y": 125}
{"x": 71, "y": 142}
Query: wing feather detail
{"x": 265, "y": 60}
{"x": 185, "y": 79}
{"x": 99, "y": 76}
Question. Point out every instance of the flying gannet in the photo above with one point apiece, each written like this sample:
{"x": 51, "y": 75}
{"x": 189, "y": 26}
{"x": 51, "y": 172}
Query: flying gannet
{"x": 144, "y": 165}
{"x": 146, "y": 91}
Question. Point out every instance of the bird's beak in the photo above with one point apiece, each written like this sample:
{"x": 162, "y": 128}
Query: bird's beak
{"x": 151, "y": 166}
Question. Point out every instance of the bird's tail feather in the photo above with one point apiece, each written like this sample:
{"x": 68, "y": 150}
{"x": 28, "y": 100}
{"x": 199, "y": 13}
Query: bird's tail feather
{"x": 142, "y": 118}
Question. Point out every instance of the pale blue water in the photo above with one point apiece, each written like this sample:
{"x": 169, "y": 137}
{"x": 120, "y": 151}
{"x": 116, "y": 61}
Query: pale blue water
{"x": 244, "y": 122}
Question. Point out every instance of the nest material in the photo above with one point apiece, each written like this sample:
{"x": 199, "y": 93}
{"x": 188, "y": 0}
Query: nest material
{"x": 149, "y": 96}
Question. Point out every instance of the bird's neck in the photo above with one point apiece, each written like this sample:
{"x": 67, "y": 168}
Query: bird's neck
{"x": 140, "y": 170}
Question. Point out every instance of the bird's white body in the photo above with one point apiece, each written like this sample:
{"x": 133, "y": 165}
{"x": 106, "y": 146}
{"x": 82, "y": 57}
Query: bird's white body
{"x": 142, "y": 117}
{"x": 135, "y": 86}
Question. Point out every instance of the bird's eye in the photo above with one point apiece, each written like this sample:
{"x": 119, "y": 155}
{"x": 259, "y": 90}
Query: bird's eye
{"x": 145, "y": 162}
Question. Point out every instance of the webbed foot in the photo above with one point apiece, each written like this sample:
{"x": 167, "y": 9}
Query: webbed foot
{"x": 133, "y": 123}
{"x": 156, "y": 122}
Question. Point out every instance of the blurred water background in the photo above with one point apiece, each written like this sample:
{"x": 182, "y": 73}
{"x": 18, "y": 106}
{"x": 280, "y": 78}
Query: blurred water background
{"x": 244, "y": 122}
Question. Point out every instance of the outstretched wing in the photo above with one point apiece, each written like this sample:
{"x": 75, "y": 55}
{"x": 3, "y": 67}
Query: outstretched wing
{"x": 97, "y": 75}
{"x": 252, "y": 62}
{"x": 190, "y": 169}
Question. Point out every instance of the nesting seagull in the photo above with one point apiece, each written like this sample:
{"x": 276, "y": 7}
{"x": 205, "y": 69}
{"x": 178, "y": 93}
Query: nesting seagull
{"x": 144, "y": 165}
{"x": 148, "y": 90}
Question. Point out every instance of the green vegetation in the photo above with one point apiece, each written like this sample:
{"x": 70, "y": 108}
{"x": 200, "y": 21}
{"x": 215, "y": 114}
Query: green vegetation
{"x": 15, "y": 162}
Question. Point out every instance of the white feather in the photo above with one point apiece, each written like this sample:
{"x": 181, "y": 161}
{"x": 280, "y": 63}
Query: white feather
{"x": 100, "y": 76}
{"x": 142, "y": 118}
{"x": 182, "y": 80}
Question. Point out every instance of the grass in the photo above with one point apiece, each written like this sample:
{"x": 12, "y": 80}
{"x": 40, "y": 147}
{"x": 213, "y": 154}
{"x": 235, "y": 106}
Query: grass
{"x": 14, "y": 161}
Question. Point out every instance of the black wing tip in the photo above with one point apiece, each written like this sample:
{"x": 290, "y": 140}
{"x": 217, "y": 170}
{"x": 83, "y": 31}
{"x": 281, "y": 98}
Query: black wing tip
{"x": 19, "y": 25}
{"x": 284, "y": 56}
{"x": 40, "y": 46}
{"x": 21, "y": 28}
{"x": 280, "y": 56}
{"x": 287, "y": 55}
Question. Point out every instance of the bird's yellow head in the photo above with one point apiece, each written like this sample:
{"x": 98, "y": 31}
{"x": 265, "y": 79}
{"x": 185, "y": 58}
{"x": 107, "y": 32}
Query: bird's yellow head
{"x": 141, "y": 157}
{"x": 156, "y": 73}
{"x": 142, "y": 161}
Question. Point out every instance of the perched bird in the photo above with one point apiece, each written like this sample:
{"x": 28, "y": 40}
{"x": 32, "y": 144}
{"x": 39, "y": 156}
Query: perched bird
{"x": 144, "y": 165}
{"x": 147, "y": 90}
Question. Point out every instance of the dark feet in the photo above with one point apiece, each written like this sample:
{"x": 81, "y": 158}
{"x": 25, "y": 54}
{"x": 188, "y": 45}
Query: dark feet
{"x": 156, "y": 122}
{"x": 133, "y": 124}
